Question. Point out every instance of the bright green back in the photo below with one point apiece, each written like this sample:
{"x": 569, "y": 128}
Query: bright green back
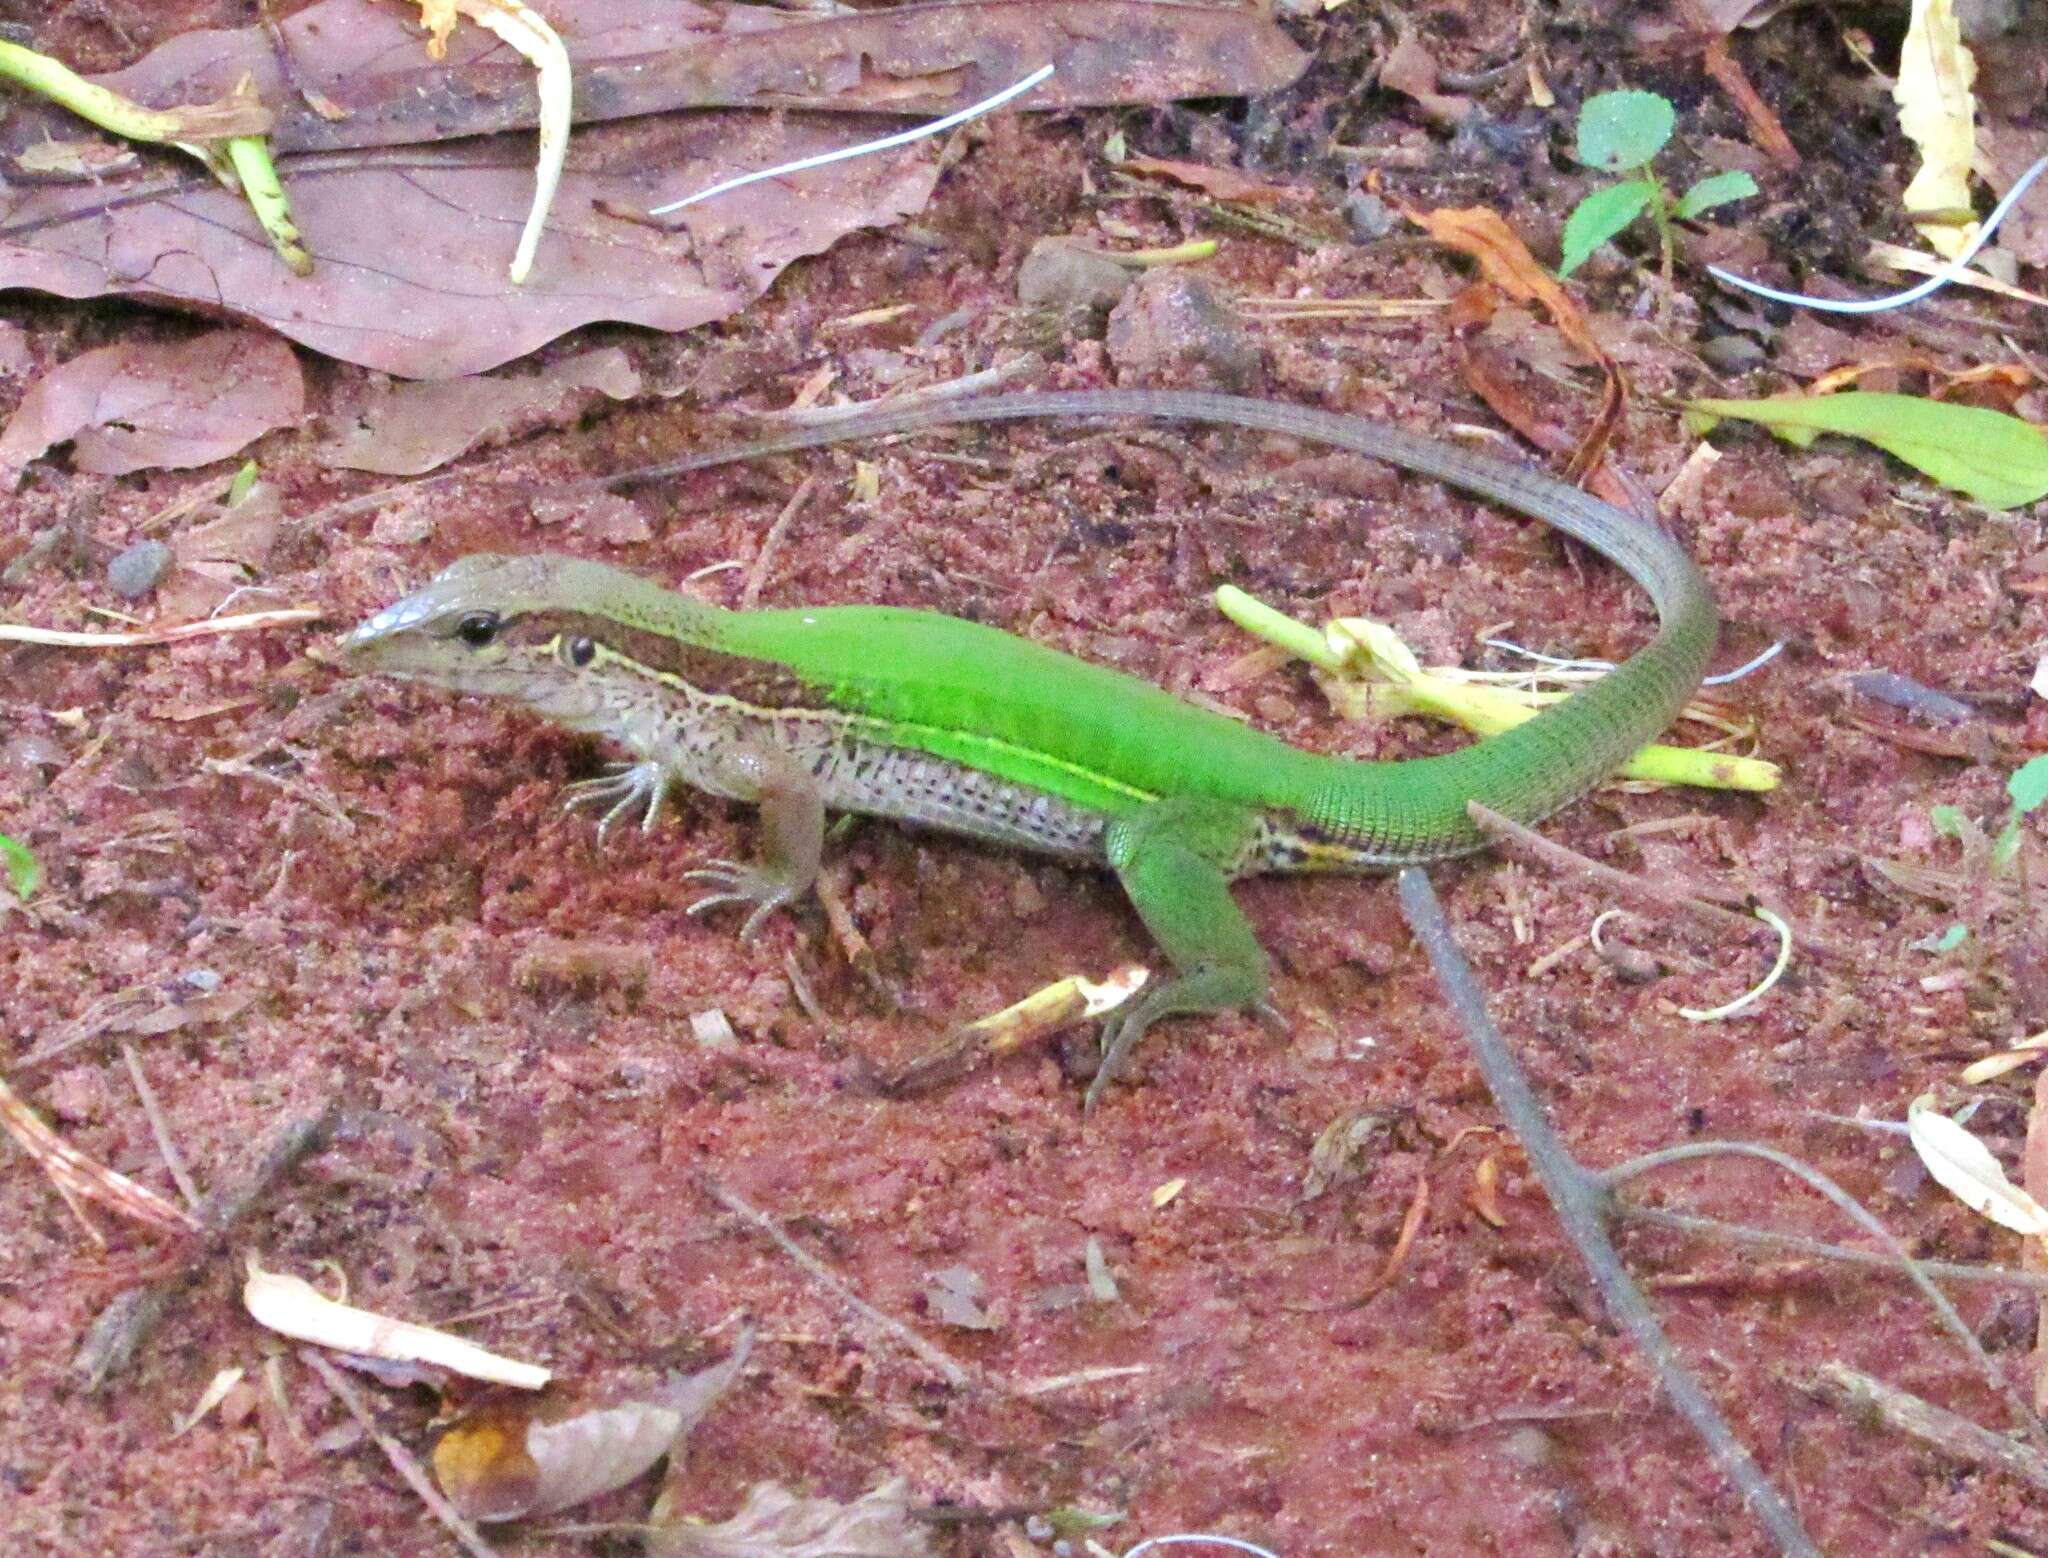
{"x": 1010, "y": 707}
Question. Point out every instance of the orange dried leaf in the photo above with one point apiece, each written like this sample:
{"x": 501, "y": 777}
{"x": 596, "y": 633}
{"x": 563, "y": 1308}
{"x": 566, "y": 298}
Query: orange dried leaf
{"x": 1484, "y": 1195}
{"x": 1404, "y": 1241}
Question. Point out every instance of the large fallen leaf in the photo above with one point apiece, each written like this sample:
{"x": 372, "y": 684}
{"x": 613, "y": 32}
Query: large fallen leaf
{"x": 776, "y": 1523}
{"x": 421, "y": 289}
{"x": 365, "y": 63}
{"x": 1997, "y": 459}
{"x": 141, "y": 405}
{"x": 1965, "y": 1168}
{"x": 1937, "y": 113}
{"x": 409, "y": 429}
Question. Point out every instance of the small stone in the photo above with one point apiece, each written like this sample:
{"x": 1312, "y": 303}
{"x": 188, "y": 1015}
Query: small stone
{"x": 1061, "y": 275}
{"x": 1370, "y": 217}
{"x": 1171, "y": 322}
{"x": 1732, "y": 353}
{"x": 137, "y": 570}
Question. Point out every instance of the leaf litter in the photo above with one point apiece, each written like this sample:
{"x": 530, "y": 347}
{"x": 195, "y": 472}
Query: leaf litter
{"x": 423, "y": 291}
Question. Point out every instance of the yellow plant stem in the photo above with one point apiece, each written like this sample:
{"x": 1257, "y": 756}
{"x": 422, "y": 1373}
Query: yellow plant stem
{"x": 1371, "y": 674}
{"x": 238, "y": 122}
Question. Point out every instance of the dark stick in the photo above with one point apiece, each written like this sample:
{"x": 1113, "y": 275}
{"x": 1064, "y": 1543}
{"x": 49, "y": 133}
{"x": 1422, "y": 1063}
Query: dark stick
{"x": 114, "y": 1338}
{"x": 1580, "y": 1199}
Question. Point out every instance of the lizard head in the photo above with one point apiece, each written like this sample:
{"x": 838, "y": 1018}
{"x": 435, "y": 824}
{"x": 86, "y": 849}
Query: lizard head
{"x": 514, "y": 626}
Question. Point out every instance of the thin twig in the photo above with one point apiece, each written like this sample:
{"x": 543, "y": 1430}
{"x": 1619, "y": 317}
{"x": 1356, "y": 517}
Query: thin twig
{"x": 78, "y": 1174}
{"x": 757, "y": 574}
{"x": 1515, "y": 839}
{"x": 209, "y": 627}
{"x": 1864, "y": 1397}
{"x": 1579, "y": 1198}
{"x": 402, "y": 1460}
{"x": 1800, "y": 1244}
{"x": 1859, "y": 1213}
{"x": 174, "y": 1160}
{"x": 117, "y": 1335}
{"x": 733, "y": 1201}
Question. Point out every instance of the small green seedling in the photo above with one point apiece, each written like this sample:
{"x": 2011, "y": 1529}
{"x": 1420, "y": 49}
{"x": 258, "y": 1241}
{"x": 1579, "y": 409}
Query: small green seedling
{"x": 2027, "y": 789}
{"x": 23, "y": 874}
{"x": 1620, "y": 132}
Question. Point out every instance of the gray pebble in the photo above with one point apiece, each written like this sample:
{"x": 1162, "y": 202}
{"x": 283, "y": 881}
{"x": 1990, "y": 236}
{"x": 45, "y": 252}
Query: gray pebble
{"x": 1370, "y": 217}
{"x": 136, "y": 570}
{"x": 1058, "y": 274}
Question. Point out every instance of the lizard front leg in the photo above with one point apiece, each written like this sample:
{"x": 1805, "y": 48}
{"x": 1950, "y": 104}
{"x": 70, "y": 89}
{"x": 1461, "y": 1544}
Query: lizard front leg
{"x": 792, "y": 808}
{"x": 1175, "y": 859}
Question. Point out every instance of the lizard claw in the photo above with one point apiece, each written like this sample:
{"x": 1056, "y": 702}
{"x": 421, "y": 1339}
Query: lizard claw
{"x": 740, "y": 883}
{"x": 623, "y": 787}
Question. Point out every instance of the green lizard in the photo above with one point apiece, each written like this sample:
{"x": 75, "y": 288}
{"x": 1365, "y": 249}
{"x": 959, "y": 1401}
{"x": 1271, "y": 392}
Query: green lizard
{"x": 934, "y": 720}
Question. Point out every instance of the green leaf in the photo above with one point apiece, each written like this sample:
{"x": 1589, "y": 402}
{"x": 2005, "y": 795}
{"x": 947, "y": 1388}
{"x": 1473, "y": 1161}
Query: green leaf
{"x": 1600, "y": 216}
{"x": 245, "y": 479}
{"x": 1947, "y": 941}
{"x": 1716, "y": 189}
{"x": 1947, "y": 820}
{"x": 2006, "y": 847}
{"x": 1619, "y": 130}
{"x": 2028, "y": 786}
{"x": 1997, "y": 459}
{"x": 22, "y": 871}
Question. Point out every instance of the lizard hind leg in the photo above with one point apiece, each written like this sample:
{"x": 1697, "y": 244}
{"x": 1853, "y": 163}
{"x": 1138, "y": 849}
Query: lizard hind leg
{"x": 792, "y": 808}
{"x": 1175, "y": 859}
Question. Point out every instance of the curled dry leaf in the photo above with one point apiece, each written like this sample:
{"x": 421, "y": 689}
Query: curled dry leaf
{"x": 513, "y": 1459}
{"x": 409, "y": 429}
{"x": 776, "y": 1523}
{"x": 1964, "y": 1167}
{"x": 142, "y": 405}
{"x": 1938, "y": 113}
{"x": 293, "y": 1307}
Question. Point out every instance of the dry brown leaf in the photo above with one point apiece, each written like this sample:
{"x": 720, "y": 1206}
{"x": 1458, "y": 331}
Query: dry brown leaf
{"x": 1506, "y": 262}
{"x": 1937, "y": 113}
{"x": 1964, "y": 1167}
{"x": 775, "y": 1523}
{"x": 1404, "y": 1241}
{"x": 422, "y": 290}
{"x": 1410, "y": 69}
{"x": 408, "y": 429}
{"x": 142, "y": 405}
{"x": 635, "y": 57}
{"x": 515, "y": 1458}
{"x": 1483, "y": 1195}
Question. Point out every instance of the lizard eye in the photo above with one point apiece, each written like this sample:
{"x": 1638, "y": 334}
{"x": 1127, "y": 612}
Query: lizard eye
{"x": 478, "y": 629}
{"x": 579, "y": 652}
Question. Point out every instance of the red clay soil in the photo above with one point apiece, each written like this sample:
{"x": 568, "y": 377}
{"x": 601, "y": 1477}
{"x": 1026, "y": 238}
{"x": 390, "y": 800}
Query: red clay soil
{"x": 416, "y": 932}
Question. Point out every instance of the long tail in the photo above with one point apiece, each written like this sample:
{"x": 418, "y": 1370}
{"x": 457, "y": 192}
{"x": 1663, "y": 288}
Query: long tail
{"x": 1386, "y": 813}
